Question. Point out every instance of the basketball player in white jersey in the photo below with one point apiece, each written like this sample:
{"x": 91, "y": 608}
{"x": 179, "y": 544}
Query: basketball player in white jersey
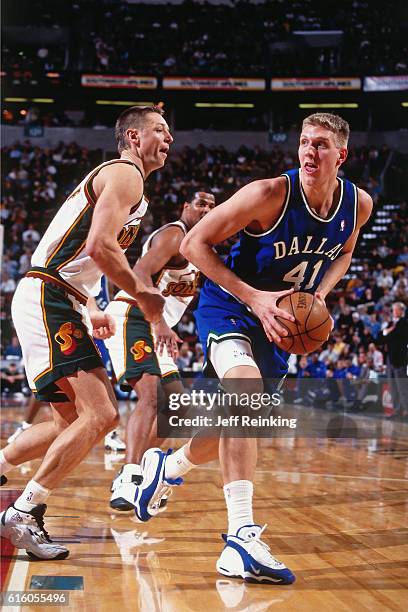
{"x": 142, "y": 355}
{"x": 86, "y": 239}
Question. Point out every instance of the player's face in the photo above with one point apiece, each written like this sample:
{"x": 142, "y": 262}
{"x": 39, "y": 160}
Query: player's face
{"x": 318, "y": 154}
{"x": 199, "y": 206}
{"x": 155, "y": 141}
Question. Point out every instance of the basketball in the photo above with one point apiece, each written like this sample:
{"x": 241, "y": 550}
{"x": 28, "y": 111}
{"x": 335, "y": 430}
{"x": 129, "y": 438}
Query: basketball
{"x": 312, "y": 323}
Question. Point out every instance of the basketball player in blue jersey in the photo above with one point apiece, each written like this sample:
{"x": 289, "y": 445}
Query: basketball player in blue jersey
{"x": 297, "y": 231}
{"x": 86, "y": 239}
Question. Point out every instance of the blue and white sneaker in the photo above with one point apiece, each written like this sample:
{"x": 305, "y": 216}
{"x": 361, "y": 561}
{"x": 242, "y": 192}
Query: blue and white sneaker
{"x": 151, "y": 496}
{"x": 246, "y": 556}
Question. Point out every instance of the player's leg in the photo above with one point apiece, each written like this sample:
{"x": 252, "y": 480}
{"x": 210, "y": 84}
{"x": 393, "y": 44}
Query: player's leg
{"x": 31, "y": 412}
{"x": 95, "y": 405}
{"x": 141, "y": 432}
{"x": 244, "y": 554}
{"x": 23, "y": 523}
{"x": 140, "y": 436}
{"x": 134, "y": 362}
{"x": 97, "y": 412}
{"x": 112, "y": 441}
{"x": 197, "y": 451}
{"x": 162, "y": 471}
{"x": 34, "y": 442}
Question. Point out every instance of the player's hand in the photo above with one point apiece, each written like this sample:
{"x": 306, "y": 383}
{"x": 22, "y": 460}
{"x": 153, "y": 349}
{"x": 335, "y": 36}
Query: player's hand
{"x": 103, "y": 324}
{"x": 151, "y": 303}
{"x": 263, "y": 305}
{"x": 164, "y": 336}
{"x": 320, "y": 298}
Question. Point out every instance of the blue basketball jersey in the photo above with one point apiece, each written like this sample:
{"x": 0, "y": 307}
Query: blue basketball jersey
{"x": 300, "y": 247}
{"x": 295, "y": 252}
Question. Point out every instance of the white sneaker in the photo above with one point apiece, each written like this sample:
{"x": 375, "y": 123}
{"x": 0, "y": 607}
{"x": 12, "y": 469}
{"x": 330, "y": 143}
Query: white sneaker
{"x": 18, "y": 431}
{"x": 26, "y": 530}
{"x": 124, "y": 487}
{"x": 151, "y": 495}
{"x": 114, "y": 443}
{"x": 246, "y": 556}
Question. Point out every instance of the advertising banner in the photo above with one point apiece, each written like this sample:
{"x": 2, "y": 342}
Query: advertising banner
{"x": 386, "y": 83}
{"x": 316, "y": 84}
{"x": 111, "y": 81}
{"x": 229, "y": 84}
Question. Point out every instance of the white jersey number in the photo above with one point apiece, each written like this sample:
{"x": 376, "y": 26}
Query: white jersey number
{"x": 298, "y": 273}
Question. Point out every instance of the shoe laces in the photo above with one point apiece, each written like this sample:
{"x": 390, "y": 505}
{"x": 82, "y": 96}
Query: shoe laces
{"x": 263, "y": 554}
{"x": 38, "y": 515}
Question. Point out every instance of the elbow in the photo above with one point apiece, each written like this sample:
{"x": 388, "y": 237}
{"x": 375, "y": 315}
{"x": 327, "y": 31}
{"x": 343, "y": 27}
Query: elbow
{"x": 186, "y": 247}
{"x": 98, "y": 250}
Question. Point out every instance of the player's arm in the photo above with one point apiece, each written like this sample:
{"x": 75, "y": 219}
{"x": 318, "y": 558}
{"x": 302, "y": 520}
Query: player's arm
{"x": 117, "y": 188}
{"x": 251, "y": 204}
{"x": 164, "y": 246}
{"x": 340, "y": 265}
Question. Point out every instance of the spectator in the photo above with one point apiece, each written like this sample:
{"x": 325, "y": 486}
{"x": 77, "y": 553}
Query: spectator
{"x": 184, "y": 357}
{"x": 395, "y": 337}
{"x": 376, "y": 357}
{"x": 13, "y": 350}
{"x": 12, "y": 379}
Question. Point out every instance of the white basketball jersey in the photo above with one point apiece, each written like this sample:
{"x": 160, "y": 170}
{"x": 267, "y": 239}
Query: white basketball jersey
{"x": 63, "y": 247}
{"x": 177, "y": 284}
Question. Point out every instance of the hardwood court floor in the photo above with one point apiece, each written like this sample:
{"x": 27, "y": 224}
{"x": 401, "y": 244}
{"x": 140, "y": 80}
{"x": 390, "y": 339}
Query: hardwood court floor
{"x": 336, "y": 513}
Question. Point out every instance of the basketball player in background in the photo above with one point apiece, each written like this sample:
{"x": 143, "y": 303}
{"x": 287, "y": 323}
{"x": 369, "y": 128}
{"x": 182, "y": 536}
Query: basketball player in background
{"x": 32, "y": 409}
{"x": 297, "y": 231}
{"x": 86, "y": 239}
{"x": 142, "y": 355}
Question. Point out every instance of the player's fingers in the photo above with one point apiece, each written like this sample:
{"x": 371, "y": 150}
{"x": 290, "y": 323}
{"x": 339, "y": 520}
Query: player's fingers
{"x": 278, "y": 312}
{"x": 174, "y": 351}
{"x": 269, "y": 331}
{"x": 161, "y": 346}
{"x": 280, "y": 294}
{"x": 111, "y": 323}
{"x": 279, "y": 329}
{"x": 176, "y": 337}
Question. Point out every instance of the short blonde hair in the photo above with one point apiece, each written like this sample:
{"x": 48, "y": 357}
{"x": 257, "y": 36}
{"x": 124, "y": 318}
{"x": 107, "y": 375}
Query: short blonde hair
{"x": 334, "y": 123}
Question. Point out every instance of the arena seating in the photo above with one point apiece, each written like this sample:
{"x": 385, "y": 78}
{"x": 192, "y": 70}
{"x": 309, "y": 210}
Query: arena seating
{"x": 36, "y": 180}
{"x": 200, "y": 38}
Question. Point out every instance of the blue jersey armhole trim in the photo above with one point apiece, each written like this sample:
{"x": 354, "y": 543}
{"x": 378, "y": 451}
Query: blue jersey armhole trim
{"x": 355, "y": 207}
{"x": 285, "y": 206}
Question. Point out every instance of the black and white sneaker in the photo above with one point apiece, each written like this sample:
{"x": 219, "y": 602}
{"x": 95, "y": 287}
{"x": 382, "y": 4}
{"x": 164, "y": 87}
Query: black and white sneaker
{"x": 26, "y": 530}
{"x": 124, "y": 487}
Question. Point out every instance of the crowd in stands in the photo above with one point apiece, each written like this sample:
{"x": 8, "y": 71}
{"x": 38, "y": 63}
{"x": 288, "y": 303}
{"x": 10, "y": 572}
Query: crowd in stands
{"x": 37, "y": 180}
{"x": 209, "y": 39}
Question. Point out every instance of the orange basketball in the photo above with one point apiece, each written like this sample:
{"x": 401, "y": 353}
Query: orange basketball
{"x": 312, "y": 323}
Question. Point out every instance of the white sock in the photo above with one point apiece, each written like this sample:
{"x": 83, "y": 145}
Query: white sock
{"x": 238, "y": 497}
{"x": 5, "y": 466}
{"x": 177, "y": 464}
{"x": 32, "y": 495}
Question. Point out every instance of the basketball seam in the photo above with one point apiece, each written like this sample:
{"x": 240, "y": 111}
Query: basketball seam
{"x": 290, "y": 336}
{"x": 314, "y": 329}
{"x": 297, "y": 326}
{"x": 310, "y": 312}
